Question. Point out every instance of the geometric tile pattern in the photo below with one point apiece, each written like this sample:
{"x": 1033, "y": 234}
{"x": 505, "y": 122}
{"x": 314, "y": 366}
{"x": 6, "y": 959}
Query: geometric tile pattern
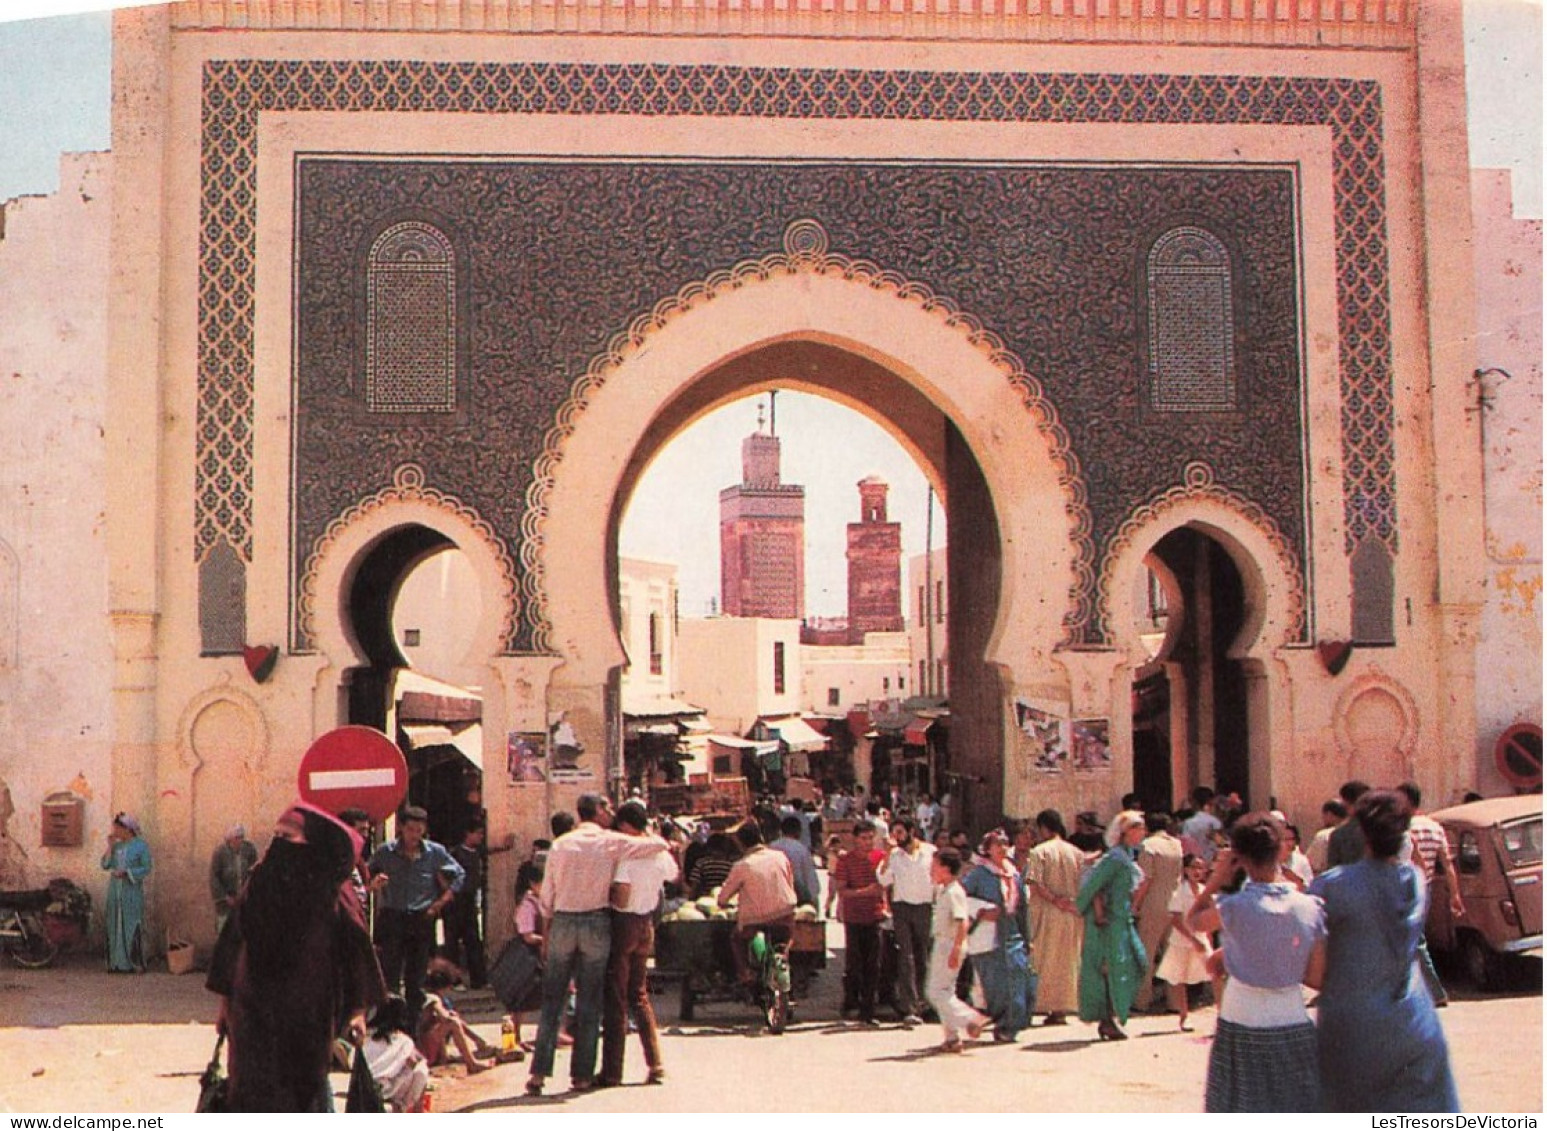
{"x": 411, "y": 321}
{"x": 236, "y": 92}
{"x": 1192, "y": 330}
{"x": 1044, "y": 275}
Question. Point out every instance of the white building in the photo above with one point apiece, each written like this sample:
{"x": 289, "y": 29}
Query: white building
{"x": 929, "y": 624}
{"x": 659, "y": 726}
{"x": 836, "y": 677}
{"x": 741, "y": 669}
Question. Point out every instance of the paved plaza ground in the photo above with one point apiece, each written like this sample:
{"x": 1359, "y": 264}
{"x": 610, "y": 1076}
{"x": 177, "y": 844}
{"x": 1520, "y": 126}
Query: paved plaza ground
{"x": 74, "y": 1039}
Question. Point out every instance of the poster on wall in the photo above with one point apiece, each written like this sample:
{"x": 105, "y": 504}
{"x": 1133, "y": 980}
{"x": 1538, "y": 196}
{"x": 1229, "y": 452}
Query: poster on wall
{"x": 525, "y": 757}
{"x": 1091, "y": 744}
{"x": 565, "y": 750}
{"x": 1049, "y": 737}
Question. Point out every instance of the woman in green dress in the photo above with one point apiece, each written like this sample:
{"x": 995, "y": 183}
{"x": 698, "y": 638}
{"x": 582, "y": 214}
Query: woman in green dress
{"x": 127, "y": 859}
{"x": 1112, "y": 959}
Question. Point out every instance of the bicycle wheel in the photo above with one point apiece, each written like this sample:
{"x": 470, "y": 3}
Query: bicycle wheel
{"x": 776, "y": 991}
{"x": 34, "y": 949}
{"x": 777, "y": 1010}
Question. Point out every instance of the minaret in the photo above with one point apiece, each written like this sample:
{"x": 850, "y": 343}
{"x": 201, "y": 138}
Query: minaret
{"x": 875, "y": 565}
{"x": 763, "y": 534}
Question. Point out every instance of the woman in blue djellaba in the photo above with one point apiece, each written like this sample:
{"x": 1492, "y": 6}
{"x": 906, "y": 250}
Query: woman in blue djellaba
{"x": 1004, "y": 968}
{"x": 127, "y": 862}
{"x": 1379, "y": 1038}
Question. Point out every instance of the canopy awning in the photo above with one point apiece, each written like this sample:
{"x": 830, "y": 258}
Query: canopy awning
{"x": 916, "y": 733}
{"x": 733, "y": 742}
{"x": 662, "y": 729}
{"x": 646, "y": 706}
{"x": 797, "y": 734}
{"x": 427, "y": 707}
{"x": 468, "y": 741}
{"x": 891, "y": 723}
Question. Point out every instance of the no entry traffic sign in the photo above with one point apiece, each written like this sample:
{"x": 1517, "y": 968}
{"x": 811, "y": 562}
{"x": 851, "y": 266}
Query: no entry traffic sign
{"x": 1518, "y": 755}
{"x": 354, "y": 767}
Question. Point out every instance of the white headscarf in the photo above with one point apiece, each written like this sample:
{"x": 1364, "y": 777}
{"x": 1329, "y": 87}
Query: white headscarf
{"x": 1121, "y": 823}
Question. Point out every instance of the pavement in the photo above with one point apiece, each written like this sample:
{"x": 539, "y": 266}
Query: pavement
{"x": 75, "y": 1040}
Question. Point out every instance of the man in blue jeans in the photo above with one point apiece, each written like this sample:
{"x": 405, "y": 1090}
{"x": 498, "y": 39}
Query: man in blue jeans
{"x": 577, "y": 935}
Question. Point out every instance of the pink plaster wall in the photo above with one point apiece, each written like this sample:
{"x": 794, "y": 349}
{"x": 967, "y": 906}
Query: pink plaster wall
{"x": 56, "y": 663}
{"x": 1508, "y": 257}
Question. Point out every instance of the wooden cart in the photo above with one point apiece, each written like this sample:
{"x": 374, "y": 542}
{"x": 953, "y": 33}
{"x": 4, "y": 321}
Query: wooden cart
{"x": 699, "y": 953}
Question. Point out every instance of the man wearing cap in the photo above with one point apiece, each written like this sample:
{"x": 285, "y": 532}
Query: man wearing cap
{"x": 577, "y": 934}
{"x": 228, "y": 867}
{"x": 415, "y": 879}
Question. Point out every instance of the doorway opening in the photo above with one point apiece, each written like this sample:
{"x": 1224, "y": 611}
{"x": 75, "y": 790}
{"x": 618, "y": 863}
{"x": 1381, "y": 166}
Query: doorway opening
{"x": 823, "y": 720}
{"x": 1191, "y": 709}
{"x": 413, "y": 606}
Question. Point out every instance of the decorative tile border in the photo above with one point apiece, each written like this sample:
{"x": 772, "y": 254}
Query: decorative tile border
{"x": 1270, "y": 23}
{"x": 236, "y": 92}
{"x": 408, "y": 486}
{"x": 1198, "y": 484}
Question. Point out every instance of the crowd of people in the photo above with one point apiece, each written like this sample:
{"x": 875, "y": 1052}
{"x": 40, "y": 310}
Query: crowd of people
{"x": 984, "y": 936}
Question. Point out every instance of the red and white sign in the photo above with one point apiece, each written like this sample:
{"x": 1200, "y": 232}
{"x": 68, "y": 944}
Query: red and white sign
{"x": 354, "y": 767}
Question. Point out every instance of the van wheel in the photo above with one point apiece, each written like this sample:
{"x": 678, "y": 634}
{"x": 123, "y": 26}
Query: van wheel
{"x": 1484, "y": 968}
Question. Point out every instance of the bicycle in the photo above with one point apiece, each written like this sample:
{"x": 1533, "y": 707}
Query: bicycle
{"x": 22, "y": 934}
{"x": 769, "y": 958}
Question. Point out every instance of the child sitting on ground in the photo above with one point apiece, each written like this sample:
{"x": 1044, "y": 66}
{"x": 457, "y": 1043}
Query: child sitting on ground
{"x": 397, "y": 1064}
{"x": 439, "y": 1024}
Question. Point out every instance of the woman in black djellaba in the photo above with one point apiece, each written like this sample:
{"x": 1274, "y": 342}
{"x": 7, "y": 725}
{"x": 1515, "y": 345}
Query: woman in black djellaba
{"x": 292, "y": 965}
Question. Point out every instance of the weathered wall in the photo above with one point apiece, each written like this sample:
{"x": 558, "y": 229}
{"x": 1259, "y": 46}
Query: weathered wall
{"x": 1509, "y": 337}
{"x": 56, "y": 661}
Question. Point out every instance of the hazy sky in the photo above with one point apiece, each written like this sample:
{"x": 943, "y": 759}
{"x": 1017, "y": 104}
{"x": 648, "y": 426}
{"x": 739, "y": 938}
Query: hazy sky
{"x": 54, "y": 91}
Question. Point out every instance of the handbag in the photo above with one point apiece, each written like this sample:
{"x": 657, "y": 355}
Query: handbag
{"x": 515, "y": 974}
{"x": 364, "y": 1093}
{"x": 214, "y": 1088}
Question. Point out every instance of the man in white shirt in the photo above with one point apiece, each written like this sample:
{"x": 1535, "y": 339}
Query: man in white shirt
{"x": 905, "y": 872}
{"x": 636, "y": 893}
{"x": 927, "y": 816}
{"x": 577, "y": 935}
{"x": 1160, "y": 859}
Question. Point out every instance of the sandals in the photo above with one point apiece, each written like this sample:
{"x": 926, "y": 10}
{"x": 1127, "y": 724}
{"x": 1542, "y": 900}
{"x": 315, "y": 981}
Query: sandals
{"x": 952, "y": 1046}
